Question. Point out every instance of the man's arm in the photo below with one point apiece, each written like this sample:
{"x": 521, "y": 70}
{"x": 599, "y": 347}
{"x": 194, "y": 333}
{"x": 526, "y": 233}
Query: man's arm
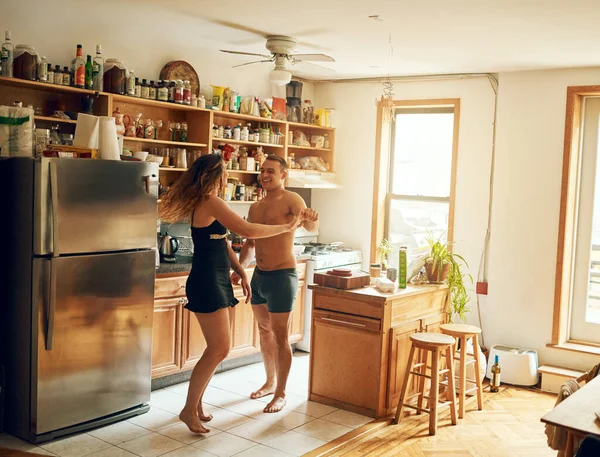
{"x": 298, "y": 208}
{"x": 247, "y": 253}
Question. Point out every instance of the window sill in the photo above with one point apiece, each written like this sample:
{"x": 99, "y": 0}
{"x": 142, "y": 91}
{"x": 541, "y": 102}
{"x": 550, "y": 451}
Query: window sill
{"x": 582, "y": 348}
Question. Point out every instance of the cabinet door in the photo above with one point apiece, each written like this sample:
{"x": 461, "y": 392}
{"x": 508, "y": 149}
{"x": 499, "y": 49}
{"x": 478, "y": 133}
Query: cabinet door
{"x": 194, "y": 343}
{"x": 297, "y": 320}
{"x": 244, "y": 332}
{"x": 166, "y": 337}
{"x": 346, "y": 359}
{"x": 398, "y": 362}
{"x": 433, "y": 323}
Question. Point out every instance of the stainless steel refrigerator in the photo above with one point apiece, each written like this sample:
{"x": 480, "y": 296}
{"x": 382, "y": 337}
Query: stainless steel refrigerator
{"x": 78, "y": 239}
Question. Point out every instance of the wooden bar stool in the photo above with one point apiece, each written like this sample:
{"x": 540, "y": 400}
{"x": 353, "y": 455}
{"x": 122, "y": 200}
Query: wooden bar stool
{"x": 463, "y": 333}
{"x": 436, "y": 343}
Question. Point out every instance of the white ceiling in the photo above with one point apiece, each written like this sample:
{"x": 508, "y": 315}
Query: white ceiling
{"x": 428, "y": 36}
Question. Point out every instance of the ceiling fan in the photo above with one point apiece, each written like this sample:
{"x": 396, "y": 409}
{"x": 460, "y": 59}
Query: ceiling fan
{"x": 282, "y": 53}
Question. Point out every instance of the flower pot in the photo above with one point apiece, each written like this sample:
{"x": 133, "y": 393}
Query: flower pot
{"x": 434, "y": 276}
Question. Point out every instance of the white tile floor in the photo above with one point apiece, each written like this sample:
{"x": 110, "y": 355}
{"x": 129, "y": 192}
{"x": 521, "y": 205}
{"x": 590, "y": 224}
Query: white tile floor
{"x": 239, "y": 427}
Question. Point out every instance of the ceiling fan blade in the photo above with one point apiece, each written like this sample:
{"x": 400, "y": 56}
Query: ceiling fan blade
{"x": 250, "y": 63}
{"x": 243, "y": 28}
{"x": 246, "y": 53}
{"x": 313, "y": 58}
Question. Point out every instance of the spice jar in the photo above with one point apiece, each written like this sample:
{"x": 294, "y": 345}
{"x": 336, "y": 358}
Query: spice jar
{"x": 115, "y": 76}
{"x": 375, "y": 270}
{"x": 25, "y": 63}
{"x": 227, "y": 134}
{"x": 178, "y": 94}
{"x": 187, "y": 93}
{"x": 163, "y": 91}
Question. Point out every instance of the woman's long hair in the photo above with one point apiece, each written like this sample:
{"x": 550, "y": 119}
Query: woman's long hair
{"x": 193, "y": 186}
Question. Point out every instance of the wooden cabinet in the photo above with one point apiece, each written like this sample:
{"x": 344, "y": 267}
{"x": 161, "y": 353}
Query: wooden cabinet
{"x": 297, "y": 320}
{"x": 178, "y": 342}
{"x": 166, "y": 337}
{"x": 361, "y": 343}
{"x": 194, "y": 343}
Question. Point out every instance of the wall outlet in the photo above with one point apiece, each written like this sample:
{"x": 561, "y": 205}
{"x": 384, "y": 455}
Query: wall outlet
{"x": 481, "y": 288}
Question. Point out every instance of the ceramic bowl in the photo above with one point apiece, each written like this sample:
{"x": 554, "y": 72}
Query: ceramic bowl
{"x": 298, "y": 249}
{"x": 155, "y": 159}
{"x": 140, "y": 155}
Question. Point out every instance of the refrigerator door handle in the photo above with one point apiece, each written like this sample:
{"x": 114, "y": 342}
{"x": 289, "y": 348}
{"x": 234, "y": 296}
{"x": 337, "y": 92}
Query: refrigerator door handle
{"x": 54, "y": 194}
{"x": 51, "y": 301}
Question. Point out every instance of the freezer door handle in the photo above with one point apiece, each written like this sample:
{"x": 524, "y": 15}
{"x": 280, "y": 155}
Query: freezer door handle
{"x": 54, "y": 194}
{"x": 51, "y": 301}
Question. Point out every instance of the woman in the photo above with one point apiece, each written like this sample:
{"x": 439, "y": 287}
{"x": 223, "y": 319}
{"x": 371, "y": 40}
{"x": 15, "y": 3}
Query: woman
{"x": 208, "y": 288}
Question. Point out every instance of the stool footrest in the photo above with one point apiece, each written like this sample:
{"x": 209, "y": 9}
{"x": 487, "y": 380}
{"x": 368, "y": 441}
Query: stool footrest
{"x": 416, "y": 373}
{"x": 423, "y": 410}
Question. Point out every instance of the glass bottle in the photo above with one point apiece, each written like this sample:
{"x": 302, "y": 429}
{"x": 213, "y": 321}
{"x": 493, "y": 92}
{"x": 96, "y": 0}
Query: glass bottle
{"x": 138, "y": 88}
{"x": 7, "y": 55}
{"x": 237, "y": 132}
{"x": 43, "y": 70}
{"x": 244, "y": 133}
{"x": 131, "y": 83}
{"x": 58, "y": 75}
{"x": 67, "y": 76}
{"x": 79, "y": 69}
{"x": 152, "y": 91}
{"x": 163, "y": 91}
{"x": 178, "y": 96}
{"x": 172, "y": 91}
{"x": 187, "y": 93}
{"x": 145, "y": 89}
{"x": 98, "y": 70}
{"x": 89, "y": 73}
{"x": 495, "y": 382}
{"x": 50, "y": 71}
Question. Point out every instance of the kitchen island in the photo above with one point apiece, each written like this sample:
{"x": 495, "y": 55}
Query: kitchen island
{"x": 177, "y": 341}
{"x": 360, "y": 342}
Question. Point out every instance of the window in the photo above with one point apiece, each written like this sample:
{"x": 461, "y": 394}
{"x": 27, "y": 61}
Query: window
{"x": 577, "y": 290}
{"x": 419, "y": 184}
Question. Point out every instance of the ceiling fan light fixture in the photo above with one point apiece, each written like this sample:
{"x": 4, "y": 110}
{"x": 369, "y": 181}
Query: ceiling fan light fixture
{"x": 280, "y": 77}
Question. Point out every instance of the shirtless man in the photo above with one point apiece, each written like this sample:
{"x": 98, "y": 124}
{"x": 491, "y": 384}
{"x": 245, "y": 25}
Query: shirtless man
{"x": 275, "y": 281}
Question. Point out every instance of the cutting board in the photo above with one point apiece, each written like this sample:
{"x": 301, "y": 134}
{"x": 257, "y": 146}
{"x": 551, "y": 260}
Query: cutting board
{"x": 356, "y": 281}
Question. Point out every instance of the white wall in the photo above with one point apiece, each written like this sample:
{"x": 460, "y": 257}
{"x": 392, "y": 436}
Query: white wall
{"x": 518, "y": 309}
{"x": 145, "y": 35}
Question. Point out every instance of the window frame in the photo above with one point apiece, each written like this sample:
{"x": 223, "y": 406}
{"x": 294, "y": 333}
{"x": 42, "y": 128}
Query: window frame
{"x": 567, "y": 227}
{"x": 384, "y": 150}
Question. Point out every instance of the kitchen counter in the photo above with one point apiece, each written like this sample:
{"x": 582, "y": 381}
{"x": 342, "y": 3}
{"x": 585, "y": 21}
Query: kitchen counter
{"x": 360, "y": 341}
{"x": 182, "y": 266}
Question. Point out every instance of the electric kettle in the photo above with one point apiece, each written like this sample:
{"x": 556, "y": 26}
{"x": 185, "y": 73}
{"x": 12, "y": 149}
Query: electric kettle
{"x": 168, "y": 247}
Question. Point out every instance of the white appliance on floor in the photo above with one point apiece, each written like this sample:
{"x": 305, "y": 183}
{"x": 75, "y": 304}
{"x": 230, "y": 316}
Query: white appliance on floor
{"x": 519, "y": 366}
{"x": 321, "y": 259}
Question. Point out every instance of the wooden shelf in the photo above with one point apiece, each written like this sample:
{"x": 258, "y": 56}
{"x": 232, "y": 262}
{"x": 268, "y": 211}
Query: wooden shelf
{"x": 54, "y": 119}
{"x": 249, "y": 143}
{"x": 157, "y": 103}
{"x": 308, "y": 148}
{"x": 243, "y": 172}
{"x": 172, "y": 169}
{"x": 171, "y": 143}
{"x": 297, "y": 171}
{"x": 246, "y": 117}
{"x": 310, "y": 126}
{"x": 36, "y": 85}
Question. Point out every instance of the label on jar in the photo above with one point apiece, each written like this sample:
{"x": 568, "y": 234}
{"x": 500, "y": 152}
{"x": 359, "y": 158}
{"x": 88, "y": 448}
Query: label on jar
{"x": 187, "y": 96}
{"x": 51, "y": 76}
{"x": 58, "y": 78}
{"x": 178, "y": 95}
{"x": 138, "y": 91}
{"x": 152, "y": 93}
{"x": 145, "y": 92}
{"x": 130, "y": 86}
{"x": 80, "y": 76}
{"x": 163, "y": 94}
{"x": 66, "y": 79}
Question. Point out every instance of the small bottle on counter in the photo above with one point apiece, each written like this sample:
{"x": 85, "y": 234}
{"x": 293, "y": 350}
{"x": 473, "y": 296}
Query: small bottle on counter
{"x": 152, "y": 90}
{"x": 50, "y": 71}
{"x": 58, "y": 75}
{"x": 145, "y": 89}
{"x": 162, "y": 93}
{"x": 43, "y": 70}
{"x": 67, "y": 77}
{"x": 130, "y": 87}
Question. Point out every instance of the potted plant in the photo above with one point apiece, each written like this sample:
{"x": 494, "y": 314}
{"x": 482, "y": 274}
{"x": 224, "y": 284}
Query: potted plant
{"x": 384, "y": 248}
{"x": 443, "y": 266}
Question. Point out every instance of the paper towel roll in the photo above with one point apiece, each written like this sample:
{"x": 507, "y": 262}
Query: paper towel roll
{"x": 108, "y": 145}
{"x": 86, "y": 131}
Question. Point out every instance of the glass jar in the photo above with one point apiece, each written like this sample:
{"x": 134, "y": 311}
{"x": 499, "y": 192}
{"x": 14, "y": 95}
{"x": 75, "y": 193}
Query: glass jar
{"x": 178, "y": 94}
{"x": 115, "y": 76}
{"x": 25, "y": 63}
{"x": 187, "y": 93}
{"x": 227, "y": 134}
{"x": 42, "y": 140}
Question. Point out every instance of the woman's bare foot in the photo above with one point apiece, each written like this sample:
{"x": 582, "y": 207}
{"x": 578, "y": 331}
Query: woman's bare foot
{"x": 275, "y": 405}
{"x": 265, "y": 390}
{"x": 203, "y": 417}
{"x": 191, "y": 419}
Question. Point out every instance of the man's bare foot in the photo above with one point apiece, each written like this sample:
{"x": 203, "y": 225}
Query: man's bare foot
{"x": 265, "y": 390}
{"x": 191, "y": 419}
{"x": 275, "y": 405}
